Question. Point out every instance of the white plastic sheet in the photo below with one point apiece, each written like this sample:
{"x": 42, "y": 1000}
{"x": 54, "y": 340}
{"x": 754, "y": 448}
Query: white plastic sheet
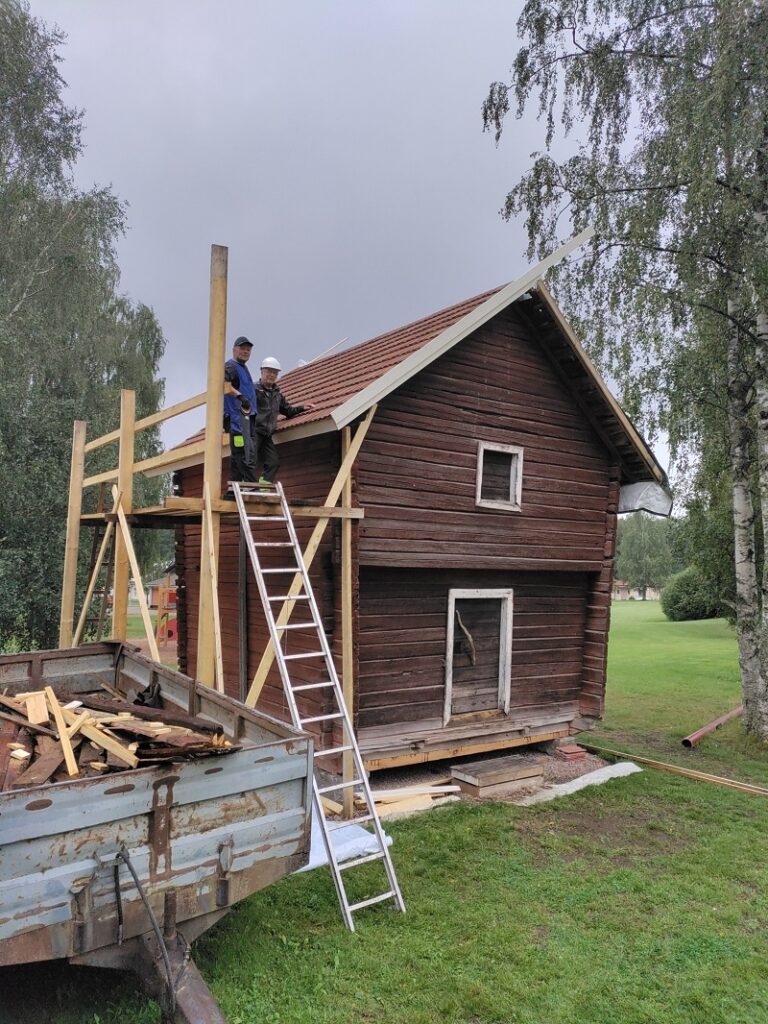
{"x": 350, "y": 841}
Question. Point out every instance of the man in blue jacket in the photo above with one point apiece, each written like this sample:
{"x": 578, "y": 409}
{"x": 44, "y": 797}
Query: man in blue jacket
{"x": 240, "y": 412}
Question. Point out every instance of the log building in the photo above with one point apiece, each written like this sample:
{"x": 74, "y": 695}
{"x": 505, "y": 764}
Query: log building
{"x": 489, "y": 482}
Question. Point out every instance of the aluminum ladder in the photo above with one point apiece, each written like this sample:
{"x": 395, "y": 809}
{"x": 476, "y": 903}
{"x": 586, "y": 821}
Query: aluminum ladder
{"x": 330, "y": 687}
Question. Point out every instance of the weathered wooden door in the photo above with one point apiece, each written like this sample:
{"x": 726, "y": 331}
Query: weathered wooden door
{"x": 479, "y": 652}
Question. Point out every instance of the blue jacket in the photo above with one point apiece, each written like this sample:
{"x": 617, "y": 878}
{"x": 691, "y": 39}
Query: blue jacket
{"x": 240, "y": 378}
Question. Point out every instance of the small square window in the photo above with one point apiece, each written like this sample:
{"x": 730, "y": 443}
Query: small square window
{"x": 499, "y": 476}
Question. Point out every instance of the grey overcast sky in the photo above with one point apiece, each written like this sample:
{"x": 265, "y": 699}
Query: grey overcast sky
{"x": 335, "y": 146}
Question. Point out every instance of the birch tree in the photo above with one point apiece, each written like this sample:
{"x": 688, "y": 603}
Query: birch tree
{"x": 662, "y": 112}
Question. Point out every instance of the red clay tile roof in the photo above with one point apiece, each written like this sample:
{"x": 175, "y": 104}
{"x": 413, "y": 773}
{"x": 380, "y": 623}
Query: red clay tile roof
{"x": 331, "y": 381}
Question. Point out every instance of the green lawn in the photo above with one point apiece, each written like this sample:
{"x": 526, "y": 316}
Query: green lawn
{"x": 666, "y": 679}
{"x": 639, "y": 902}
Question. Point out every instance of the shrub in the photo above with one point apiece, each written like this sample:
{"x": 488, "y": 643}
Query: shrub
{"x": 687, "y": 596}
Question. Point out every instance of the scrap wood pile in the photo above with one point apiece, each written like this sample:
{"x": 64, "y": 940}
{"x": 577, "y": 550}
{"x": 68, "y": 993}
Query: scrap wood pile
{"x": 45, "y": 738}
{"x": 401, "y": 800}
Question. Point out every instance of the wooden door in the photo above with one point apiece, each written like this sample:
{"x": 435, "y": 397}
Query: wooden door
{"x": 478, "y": 656}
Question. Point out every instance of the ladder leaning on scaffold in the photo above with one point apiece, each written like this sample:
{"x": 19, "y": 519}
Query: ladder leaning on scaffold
{"x": 329, "y": 687}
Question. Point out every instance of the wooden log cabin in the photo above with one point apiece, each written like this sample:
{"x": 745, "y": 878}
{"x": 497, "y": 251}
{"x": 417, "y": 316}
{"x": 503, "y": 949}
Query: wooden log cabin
{"x": 490, "y": 481}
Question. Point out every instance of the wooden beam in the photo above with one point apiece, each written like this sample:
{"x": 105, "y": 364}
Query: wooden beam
{"x": 689, "y": 773}
{"x": 167, "y": 461}
{"x": 61, "y": 726}
{"x": 125, "y": 532}
{"x": 179, "y": 503}
{"x": 347, "y": 626}
{"x": 121, "y": 579}
{"x": 151, "y": 421}
{"x": 74, "y": 509}
{"x": 209, "y": 542}
{"x": 208, "y": 518}
{"x": 92, "y": 583}
{"x": 309, "y": 553}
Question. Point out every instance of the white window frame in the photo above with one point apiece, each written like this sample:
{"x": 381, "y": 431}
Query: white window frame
{"x": 515, "y": 485}
{"x": 505, "y": 644}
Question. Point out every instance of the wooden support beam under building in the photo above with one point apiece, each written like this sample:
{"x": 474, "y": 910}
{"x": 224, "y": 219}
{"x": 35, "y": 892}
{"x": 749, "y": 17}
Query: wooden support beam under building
{"x": 347, "y": 627}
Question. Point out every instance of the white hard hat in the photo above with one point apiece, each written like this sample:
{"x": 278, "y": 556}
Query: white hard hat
{"x": 270, "y": 363}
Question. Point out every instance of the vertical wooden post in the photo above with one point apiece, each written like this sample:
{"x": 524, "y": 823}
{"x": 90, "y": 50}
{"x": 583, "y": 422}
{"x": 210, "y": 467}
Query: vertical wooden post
{"x": 209, "y": 540}
{"x": 122, "y": 575}
{"x": 347, "y": 637}
{"x": 69, "y": 579}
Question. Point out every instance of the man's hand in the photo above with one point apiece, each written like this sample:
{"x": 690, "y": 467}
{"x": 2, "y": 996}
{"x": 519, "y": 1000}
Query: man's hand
{"x": 309, "y": 406}
{"x": 245, "y": 405}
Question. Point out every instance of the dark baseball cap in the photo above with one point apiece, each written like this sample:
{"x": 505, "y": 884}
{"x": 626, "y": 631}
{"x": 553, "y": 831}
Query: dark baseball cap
{"x": 242, "y": 340}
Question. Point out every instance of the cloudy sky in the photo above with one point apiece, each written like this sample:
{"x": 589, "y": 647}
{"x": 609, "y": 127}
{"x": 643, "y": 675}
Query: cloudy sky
{"x": 335, "y": 146}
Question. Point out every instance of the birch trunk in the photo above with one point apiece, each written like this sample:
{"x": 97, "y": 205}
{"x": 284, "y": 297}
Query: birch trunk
{"x": 750, "y": 610}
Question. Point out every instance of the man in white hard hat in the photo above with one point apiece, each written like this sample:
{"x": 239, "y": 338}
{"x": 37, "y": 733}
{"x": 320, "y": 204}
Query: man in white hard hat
{"x": 270, "y": 403}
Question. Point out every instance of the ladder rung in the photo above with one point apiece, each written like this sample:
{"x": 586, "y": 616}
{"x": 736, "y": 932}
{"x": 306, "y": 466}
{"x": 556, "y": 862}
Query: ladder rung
{"x": 304, "y": 654}
{"x": 297, "y": 625}
{"x": 369, "y": 903}
{"x": 273, "y": 544}
{"x": 312, "y": 686}
{"x": 332, "y": 750}
{"x": 289, "y": 597}
{"x": 294, "y": 569}
{"x": 340, "y": 785}
{"x": 334, "y": 826}
{"x": 323, "y": 718}
{"x": 261, "y": 519}
{"x": 356, "y": 861}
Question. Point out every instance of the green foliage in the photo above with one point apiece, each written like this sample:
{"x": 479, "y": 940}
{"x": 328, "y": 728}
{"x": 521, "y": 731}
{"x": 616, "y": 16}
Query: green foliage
{"x": 687, "y": 596}
{"x": 68, "y": 341}
{"x": 643, "y": 551}
{"x": 664, "y": 150}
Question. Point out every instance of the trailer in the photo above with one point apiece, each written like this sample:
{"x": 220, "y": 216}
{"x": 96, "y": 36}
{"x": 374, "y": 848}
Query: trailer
{"x": 126, "y": 870}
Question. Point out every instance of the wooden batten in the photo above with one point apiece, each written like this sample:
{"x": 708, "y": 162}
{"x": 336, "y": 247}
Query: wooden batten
{"x": 122, "y": 572}
{"x": 74, "y": 508}
{"x": 207, "y": 612}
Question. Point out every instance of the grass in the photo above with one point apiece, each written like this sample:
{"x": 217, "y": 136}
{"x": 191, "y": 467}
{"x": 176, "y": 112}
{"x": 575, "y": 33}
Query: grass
{"x": 667, "y": 679}
{"x": 639, "y": 902}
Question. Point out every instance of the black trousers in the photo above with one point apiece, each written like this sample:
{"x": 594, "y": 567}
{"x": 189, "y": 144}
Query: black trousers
{"x": 242, "y": 465}
{"x": 265, "y": 452}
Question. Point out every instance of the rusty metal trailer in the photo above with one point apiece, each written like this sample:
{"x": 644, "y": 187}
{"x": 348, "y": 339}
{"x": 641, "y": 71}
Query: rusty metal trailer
{"x": 128, "y": 869}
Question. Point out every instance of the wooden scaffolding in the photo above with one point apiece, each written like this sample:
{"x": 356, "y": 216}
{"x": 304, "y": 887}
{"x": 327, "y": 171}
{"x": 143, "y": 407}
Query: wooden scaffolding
{"x": 209, "y": 511}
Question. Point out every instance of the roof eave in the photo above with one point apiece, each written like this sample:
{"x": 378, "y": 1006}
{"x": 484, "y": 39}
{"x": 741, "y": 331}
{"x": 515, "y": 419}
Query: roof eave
{"x": 359, "y": 404}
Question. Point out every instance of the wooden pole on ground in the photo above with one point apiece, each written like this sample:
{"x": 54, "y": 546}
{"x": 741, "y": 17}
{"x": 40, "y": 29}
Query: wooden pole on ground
{"x": 309, "y": 553}
{"x": 209, "y": 541}
{"x": 122, "y": 574}
{"x": 347, "y": 647}
{"x": 72, "y": 547}
{"x": 125, "y": 532}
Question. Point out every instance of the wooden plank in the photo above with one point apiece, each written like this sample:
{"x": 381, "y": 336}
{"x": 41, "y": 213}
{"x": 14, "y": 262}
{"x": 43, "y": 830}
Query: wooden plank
{"x": 44, "y": 765}
{"x": 347, "y": 626}
{"x": 61, "y": 725}
{"x": 151, "y": 421}
{"x": 9, "y": 732}
{"x": 103, "y": 739}
{"x": 15, "y": 767}
{"x": 72, "y": 544}
{"x": 121, "y": 577}
{"x": 214, "y": 590}
{"x": 209, "y": 556}
{"x": 125, "y": 533}
{"x": 379, "y": 760}
{"x": 37, "y": 708}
